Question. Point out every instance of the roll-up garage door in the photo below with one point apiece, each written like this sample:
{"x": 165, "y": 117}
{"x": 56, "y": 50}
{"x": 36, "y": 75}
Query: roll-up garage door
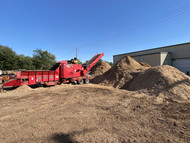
{"x": 183, "y": 65}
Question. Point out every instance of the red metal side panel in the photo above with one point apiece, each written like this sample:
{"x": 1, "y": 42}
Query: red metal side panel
{"x": 38, "y": 76}
{"x": 51, "y": 76}
{"x": 56, "y": 76}
{"x": 24, "y": 75}
{"x": 45, "y": 75}
{"x": 71, "y": 70}
{"x": 67, "y": 70}
{"x": 77, "y": 70}
{"x": 32, "y": 78}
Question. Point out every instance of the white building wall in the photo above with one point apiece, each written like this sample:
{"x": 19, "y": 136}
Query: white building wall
{"x": 178, "y": 52}
{"x": 183, "y": 65}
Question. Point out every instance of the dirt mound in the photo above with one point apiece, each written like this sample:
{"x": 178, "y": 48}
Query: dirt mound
{"x": 162, "y": 80}
{"x": 145, "y": 64}
{"x": 22, "y": 88}
{"x": 99, "y": 69}
{"x": 120, "y": 73}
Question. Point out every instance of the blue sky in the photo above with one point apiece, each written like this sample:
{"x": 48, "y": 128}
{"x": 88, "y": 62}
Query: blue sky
{"x": 94, "y": 26}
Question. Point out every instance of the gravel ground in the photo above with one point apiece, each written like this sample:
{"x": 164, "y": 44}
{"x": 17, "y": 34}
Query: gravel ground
{"x": 91, "y": 113}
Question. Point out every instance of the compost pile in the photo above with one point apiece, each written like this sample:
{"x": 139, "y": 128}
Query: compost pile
{"x": 162, "y": 80}
{"x": 23, "y": 88}
{"x": 145, "y": 64}
{"x": 122, "y": 72}
{"x": 99, "y": 69}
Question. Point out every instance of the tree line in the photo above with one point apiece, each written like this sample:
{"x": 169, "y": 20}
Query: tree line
{"x": 41, "y": 60}
{"x": 10, "y": 60}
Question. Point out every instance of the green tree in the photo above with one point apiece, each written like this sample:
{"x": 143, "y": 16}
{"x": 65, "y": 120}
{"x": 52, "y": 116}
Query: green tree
{"x": 25, "y": 62}
{"x": 8, "y": 58}
{"x": 43, "y": 60}
{"x": 79, "y": 62}
{"x": 29, "y": 63}
{"x": 110, "y": 63}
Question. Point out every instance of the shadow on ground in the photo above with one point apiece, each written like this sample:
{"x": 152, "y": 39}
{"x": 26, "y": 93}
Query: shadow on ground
{"x": 62, "y": 138}
{"x": 68, "y": 138}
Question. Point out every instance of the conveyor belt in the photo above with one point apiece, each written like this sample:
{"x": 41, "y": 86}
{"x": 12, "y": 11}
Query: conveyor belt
{"x": 91, "y": 60}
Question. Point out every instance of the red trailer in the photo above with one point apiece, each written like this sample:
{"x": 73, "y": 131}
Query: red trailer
{"x": 61, "y": 72}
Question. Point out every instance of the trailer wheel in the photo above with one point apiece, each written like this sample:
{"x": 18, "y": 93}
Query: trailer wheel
{"x": 86, "y": 81}
{"x": 80, "y": 81}
{"x": 75, "y": 82}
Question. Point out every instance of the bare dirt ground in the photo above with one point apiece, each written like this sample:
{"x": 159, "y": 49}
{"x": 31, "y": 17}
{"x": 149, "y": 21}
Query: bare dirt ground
{"x": 91, "y": 113}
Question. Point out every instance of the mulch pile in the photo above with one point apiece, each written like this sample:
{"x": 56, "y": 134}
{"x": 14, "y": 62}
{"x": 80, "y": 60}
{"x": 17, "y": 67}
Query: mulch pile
{"x": 164, "y": 81}
{"x": 23, "y": 88}
{"x": 99, "y": 69}
{"x": 145, "y": 64}
{"x": 120, "y": 73}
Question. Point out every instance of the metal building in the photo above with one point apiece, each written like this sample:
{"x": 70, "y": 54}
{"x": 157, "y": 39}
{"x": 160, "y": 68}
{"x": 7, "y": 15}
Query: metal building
{"x": 174, "y": 55}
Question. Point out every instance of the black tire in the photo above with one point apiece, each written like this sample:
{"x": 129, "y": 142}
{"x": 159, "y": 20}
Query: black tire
{"x": 80, "y": 81}
{"x": 86, "y": 81}
{"x": 75, "y": 82}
